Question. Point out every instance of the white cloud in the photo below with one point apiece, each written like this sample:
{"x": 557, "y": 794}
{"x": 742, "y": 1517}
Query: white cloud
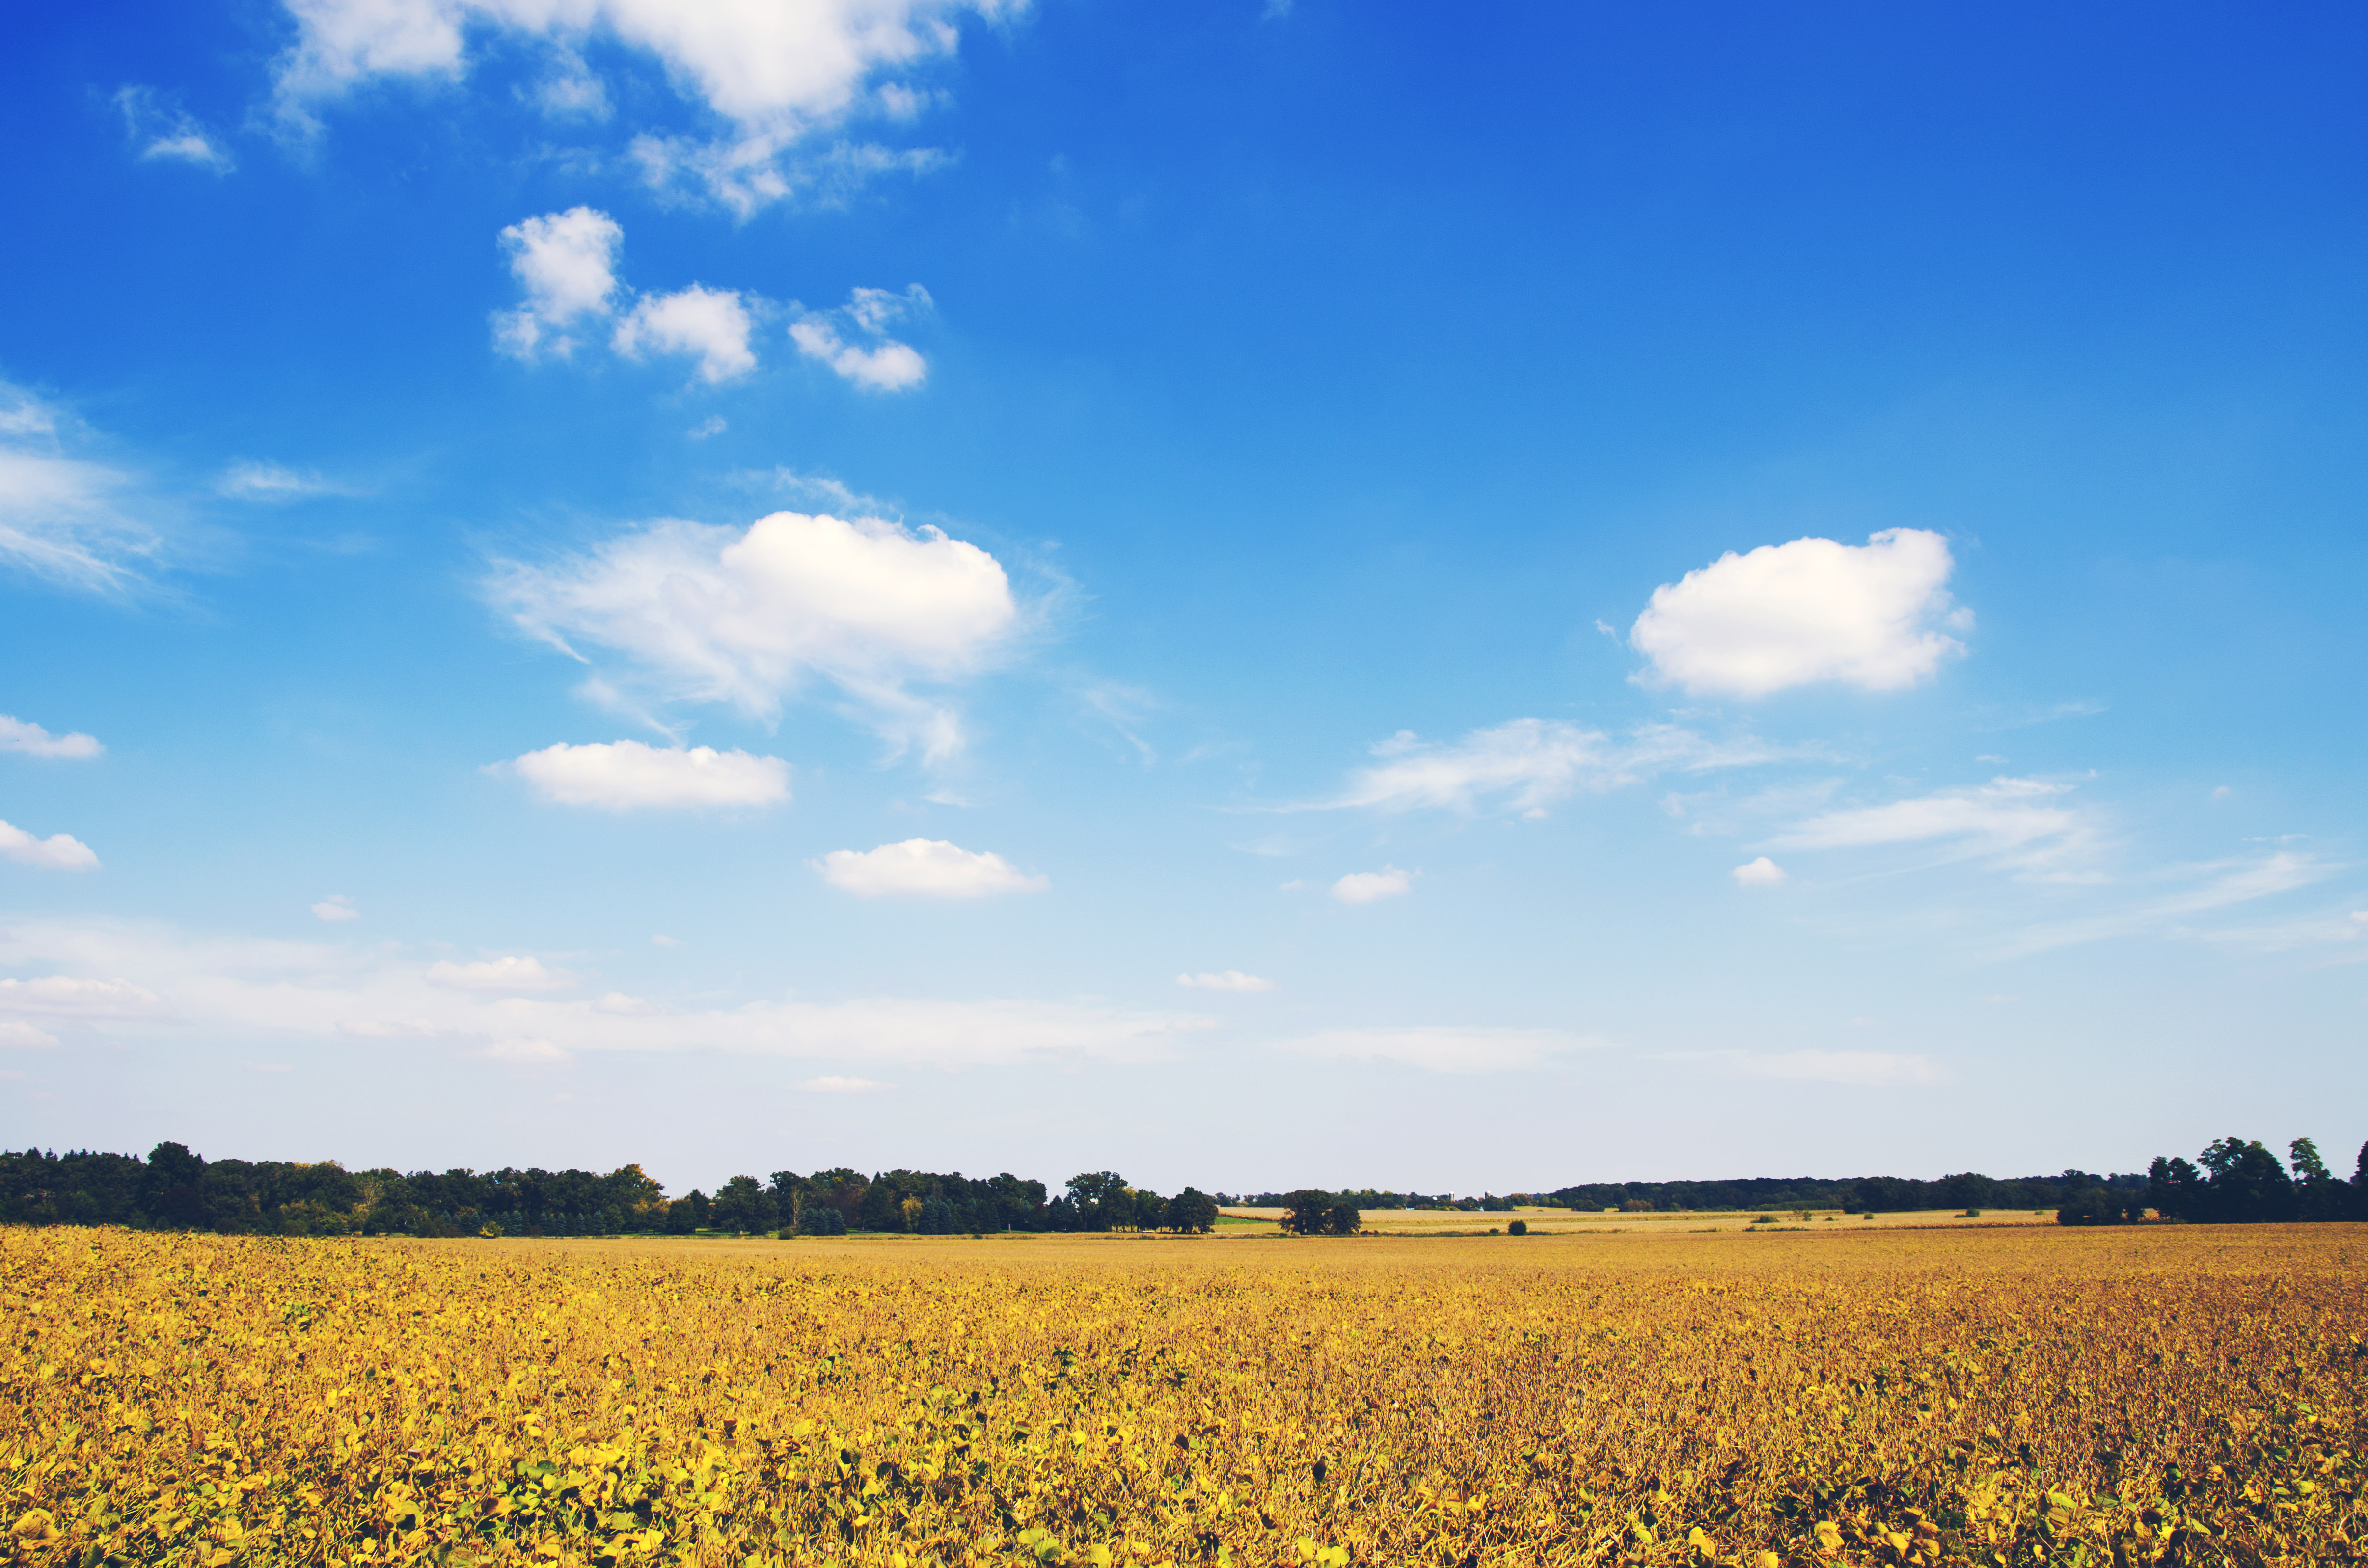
{"x": 1443, "y": 1050}
{"x": 270, "y": 481}
{"x": 1811, "y": 610}
{"x": 2004, "y": 814}
{"x": 885, "y": 365}
{"x": 199, "y": 987}
{"x": 334, "y": 907}
{"x": 1760, "y": 873}
{"x": 504, "y": 974}
{"x": 1226, "y": 980}
{"x": 66, "y": 996}
{"x": 2214, "y": 886}
{"x": 714, "y": 425}
{"x": 163, "y": 130}
{"x": 524, "y": 1052}
{"x": 835, "y": 1084}
{"x": 710, "y": 325}
{"x": 58, "y": 852}
{"x": 1526, "y": 765}
{"x": 64, "y": 517}
{"x": 624, "y": 775}
{"x": 625, "y": 1006}
{"x": 663, "y": 940}
{"x": 925, "y": 868}
{"x": 19, "y": 1035}
{"x": 718, "y": 614}
{"x": 1862, "y": 1069}
{"x": 567, "y": 262}
{"x": 571, "y": 91}
{"x": 777, "y": 72}
{"x": 1369, "y": 887}
{"x": 32, "y": 740}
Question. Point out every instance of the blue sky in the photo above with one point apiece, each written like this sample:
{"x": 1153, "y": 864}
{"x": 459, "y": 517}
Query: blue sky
{"x": 1247, "y": 593}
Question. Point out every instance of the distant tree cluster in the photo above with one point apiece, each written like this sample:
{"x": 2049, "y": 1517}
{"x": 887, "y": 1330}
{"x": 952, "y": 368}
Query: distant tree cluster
{"x": 1365, "y": 1198}
{"x": 1312, "y": 1212}
{"x": 175, "y": 1189}
{"x": 2238, "y": 1181}
{"x": 1853, "y": 1195}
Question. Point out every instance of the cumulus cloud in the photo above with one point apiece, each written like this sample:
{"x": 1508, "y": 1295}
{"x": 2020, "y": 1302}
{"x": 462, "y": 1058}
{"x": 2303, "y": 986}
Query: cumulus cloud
{"x": 743, "y": 618}
{"x": 22, "y": 1035}
{"x": 65, "y": 518}
{"x": 624, "y": 775}
{"x": 164, "y": 132}
{"x": 1760, "y": 873}
{"x": 1443, "y": 1049}
{"x": 1369, "y": 887}
{"x": 875, "y": 362}
{"x": 925, "y": 868}
{"x": 835, "y": 1084}
{"x": 336, "y": 907}
{"x": 1226, "y": 980}
{"x": 777, "y": 74}
{"x": 1862, "y": 1069}
{"x": 567, "y": 262}
{"x": 503, "y": 974}
{"x": 32, "y": 740}
{"x": 711, "y": 325}
{"x": 58, "y": 852}
{"x": 1527, "y": 764}
{"x": 190, "y": 987}
{"x": 1812, "y": 610}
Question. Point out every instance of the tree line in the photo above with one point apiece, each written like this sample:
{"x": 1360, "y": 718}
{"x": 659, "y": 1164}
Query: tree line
{"x": 2232, "y": 1181}
{"x": 173, "y": 1188}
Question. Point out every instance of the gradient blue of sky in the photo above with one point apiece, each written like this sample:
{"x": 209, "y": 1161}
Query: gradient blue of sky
{"x": 1316, "y": 374}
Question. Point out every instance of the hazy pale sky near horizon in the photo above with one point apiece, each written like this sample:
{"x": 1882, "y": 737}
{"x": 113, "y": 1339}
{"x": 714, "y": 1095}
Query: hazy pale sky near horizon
{"x": 1252, "y": 594}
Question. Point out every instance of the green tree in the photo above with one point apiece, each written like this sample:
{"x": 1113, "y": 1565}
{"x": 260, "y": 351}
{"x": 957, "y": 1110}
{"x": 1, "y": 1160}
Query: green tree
{"x": 1312, "y": 1212}
{"x": 882, "y": 1208}
{"x": 2246, "y": 1184}
{"x": 2317, "y": 1195}
{"x": 689, "y": 1212}
{"x": 1192, "y": 1212}
{"x": 741, "y": 1205}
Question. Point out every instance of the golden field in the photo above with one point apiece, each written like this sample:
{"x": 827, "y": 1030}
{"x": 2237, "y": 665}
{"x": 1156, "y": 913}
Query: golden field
{"x": 2183, "y": 1395}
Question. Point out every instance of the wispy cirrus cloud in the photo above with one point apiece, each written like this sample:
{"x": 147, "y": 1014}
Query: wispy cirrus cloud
{"x": 2208, "y": 889}
{"x": 1860, "y": 1069}
{"x": 1527, "y": 764}
{"x": 1443, "y": 1049}
{"x": 164, "y": 131}
{"x": 158, "y": 982}
{"x": 67, "y": 517}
